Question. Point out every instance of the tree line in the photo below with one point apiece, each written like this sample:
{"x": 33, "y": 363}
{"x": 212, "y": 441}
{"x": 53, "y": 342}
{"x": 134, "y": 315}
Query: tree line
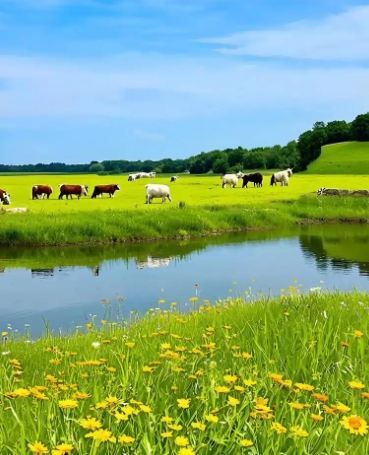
{"x": 296, "y": 154}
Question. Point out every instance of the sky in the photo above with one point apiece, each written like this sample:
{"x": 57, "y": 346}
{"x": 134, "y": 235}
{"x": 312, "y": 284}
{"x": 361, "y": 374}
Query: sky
{"x": 84, "y": 80}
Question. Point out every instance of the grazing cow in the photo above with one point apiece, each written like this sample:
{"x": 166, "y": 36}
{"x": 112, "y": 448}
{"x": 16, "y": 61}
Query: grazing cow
{"x": 229, "y": 179}
{"x": 152, "y": 174}
{"x": 41, "y": 191}
{"x": 70, "y": 190}
{"x": 109, "y": 189}
{"x": 154, "y": 190}
{"x": 4, "y": 197}
{"x": 339, "y": 192}
{"x": 256, "y": 178}
{"x": 282, "y": 177}
{"x": 173, "y": 178}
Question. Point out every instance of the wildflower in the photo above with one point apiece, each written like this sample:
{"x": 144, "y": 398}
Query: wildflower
{"x": 358, "y": 334}
{"x": 365, "y": 395}
{"x": 166, "y": 434}
{"x": 246, "y": 443}
{"x": 275, "y": 377}
{"x": 246, "y": 355}
{"x": 212, "y": 418}
{"x": 68, "y": 404}
{"x": 38, "y": 448}
{"x": 198, "y": 426}
{"x": 64, "y": 449}
{"x": 316, "y": 417}
{"x": 96, "y": 344}
{"x": 278, "y": 428}
{"x": 320, "y": 397}
{"x": 146, "y": 409}
{"x": 175, "y": 427}
{"x": 233, "y": 401}
{"x": 239, "y": 388}
{"x": 22, "y": 393}
{"x": 130, "y": 344}
{"x": 90, "y": 423}
{"x": 166, "y": 419}
{"x": 81, "y": 395}
{"x": 356, "y": 385}
{"x": 249, "y": 382}
{"x": 101, "y": 436}
{"x": 186, "y": 451}
{"x": 147, "y": 369}
{"x": 342, "y": 408}
{"x": 111, "y": 400}
{"x": 124, "y": 439}
{"x": 183, "y": 403}
{"x": 181, "y": 441}
{"x": 305, "y": 387}
{"x": 297, "y": 405}
{"x": 299, "y": 432}
{"x": 222, "y": 389}
{"x": 230, "y": 379}
{"x": 355, "y": 424}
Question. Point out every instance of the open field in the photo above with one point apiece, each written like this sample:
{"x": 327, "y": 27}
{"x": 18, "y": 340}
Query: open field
{"x": 287, "y": 375}
{"x": 200, "y": 207}
{"x": 193, "y": 190}
{"x": 342, "y": 158}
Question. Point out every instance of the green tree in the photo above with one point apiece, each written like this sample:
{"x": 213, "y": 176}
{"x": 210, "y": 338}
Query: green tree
{"x": 360, "y": 128}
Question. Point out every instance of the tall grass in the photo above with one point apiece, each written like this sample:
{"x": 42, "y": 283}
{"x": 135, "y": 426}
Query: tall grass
{"x": 220, "y": 378}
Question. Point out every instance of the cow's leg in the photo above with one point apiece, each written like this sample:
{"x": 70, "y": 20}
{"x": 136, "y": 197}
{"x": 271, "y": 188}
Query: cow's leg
{"x": 169, "y": 198}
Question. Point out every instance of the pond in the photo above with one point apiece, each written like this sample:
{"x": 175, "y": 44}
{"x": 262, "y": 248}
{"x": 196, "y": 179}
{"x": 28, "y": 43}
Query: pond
{"x": 63, "y": 288}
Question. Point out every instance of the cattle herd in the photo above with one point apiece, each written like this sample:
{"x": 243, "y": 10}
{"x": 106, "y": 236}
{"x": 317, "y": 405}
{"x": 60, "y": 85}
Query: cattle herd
{"x": 152, "y": 190}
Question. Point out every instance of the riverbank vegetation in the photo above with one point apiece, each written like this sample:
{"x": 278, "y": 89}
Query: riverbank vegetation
{"x": 200, "y": 207}
{"x": 285, "y": 375}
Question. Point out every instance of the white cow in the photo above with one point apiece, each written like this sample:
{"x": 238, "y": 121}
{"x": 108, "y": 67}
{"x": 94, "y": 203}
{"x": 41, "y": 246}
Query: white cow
{"x": 154, "y": 190}
{"x": 173, "y": 178}
{"x": 229, "y": 179}
{"x": 282, "y": 177}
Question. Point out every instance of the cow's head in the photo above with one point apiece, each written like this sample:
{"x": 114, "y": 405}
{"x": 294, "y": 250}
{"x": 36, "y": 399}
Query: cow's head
{"x": 117, "y": 187}
{"x": 320, "y": 191}
{"x": 5, "y": 199}
{"x": 289, "y": 172}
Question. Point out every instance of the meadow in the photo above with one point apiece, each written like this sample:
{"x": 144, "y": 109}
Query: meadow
{"x": 200, "y": 207}
{"x": 228, "y": 378}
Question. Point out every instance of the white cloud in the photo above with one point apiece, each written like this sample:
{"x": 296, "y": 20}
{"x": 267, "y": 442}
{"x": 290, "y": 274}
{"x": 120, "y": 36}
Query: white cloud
{"x": 343, "y": 36}
{"x": 166, "y": 87}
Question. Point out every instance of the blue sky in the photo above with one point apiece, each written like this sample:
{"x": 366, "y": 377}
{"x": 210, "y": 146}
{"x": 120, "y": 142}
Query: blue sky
{"x": 85, "y": 80}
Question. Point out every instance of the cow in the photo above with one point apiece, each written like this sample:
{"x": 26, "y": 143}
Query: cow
{"x": 256, "y": 178}
{"x": 109, "y": 189}
{"x": 4, "y": 197}
{"x": 282, "y": 177}
{"x": 154, "y": 190}
{"x": 173, "y": 178}
{"x": 41, "y": 191}
{"x": 70, "y": 190}
{"x": 133, "y": 177}
{"x": 229, "y": 179}
{"x": 152, "y": 174}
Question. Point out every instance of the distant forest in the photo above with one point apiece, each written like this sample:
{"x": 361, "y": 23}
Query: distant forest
{"x": 297, "y": 154}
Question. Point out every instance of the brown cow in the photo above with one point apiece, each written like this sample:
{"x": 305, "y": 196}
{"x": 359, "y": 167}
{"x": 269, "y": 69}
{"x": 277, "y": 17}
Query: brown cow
{"x": 70, "y": 190}
{"x": 4, "y": 197}
{"x": 109, "y": 189}
{"x": 41, "y": 191}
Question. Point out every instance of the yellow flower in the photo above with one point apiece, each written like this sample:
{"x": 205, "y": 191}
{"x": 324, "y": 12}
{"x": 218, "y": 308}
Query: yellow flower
{"x": 81, "y": 395}
{"x": 249, "y": 382}
{"x": 212, "y": 418}
{"x": 299, "y": 432}
{"x": 239, "y": 388}
{"x": 183, "y": 403}
{"x": 111, "y": 400}
{"x": 198, "y": 426}
{"x": 230, "y": 379}
{"x": 175, "y": 427}
{"x": 166, "y": 419}
{"x": 120, "y": 416}
{"x": 342, "y": 408}
{"x": 4, "y": 334}
{"x": 297, "y": 405}
{"x": 101, "y": 436}
{"x": 124, "y": 439}
{"x": 355, "y": 424}
{"x": 145, "y": 408}
{"x": 358, "y": 334}
{"x": 275, "y": 377}
{"x": 305, "y": 387}
{"x": 38, "y": 448}
{"x": 246, "y": 443}
{"x": 186, "y": 451}
{"x": 147, "y": 369}
{"x": 23, "y": 393}
{"x": 365, "y": 395}
{"x": 316, "y": 417}
{"x": 130, "y": 344}
{"x": 90, "y": 423}
{"x": 278, "y": 428}
{"x": 221, "y": 389}
{"x": 233, "y": 401}
{"x": 65, "y": 449}
{"x": 356, "y": 385}
{"x": 166, "y": 434}
{"x": 181, "y": 441}
{"x": 320, "y": 397}
{"x": 68, "y": 404}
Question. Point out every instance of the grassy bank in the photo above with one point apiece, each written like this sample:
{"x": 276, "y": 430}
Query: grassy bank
{"x": 275, "y": 376}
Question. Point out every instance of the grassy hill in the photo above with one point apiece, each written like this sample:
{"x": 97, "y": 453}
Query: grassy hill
{"x": 342, "y": 158}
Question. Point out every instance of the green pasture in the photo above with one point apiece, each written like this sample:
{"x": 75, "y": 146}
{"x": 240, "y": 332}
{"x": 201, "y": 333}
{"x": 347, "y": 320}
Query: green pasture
{"x": 192, "y": 190}
{"x": 342, "y": 158}
{"x": 282, "y": 376}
